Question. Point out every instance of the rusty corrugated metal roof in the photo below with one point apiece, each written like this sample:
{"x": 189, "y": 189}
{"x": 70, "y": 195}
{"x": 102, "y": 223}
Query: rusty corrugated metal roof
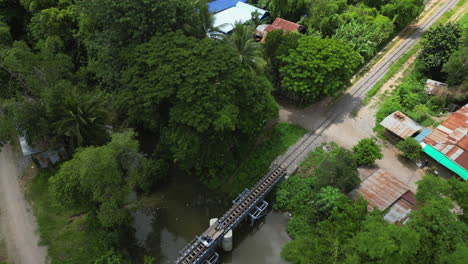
{"x": 399, "y": 211}
{"x": 451, "y": 139}
{"x": 381, "y": 189}
{"x": 401, "y": 125}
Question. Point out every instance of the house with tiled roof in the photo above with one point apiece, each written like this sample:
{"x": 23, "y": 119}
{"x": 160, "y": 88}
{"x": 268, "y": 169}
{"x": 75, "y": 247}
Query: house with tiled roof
{"x": 448, "y": 143}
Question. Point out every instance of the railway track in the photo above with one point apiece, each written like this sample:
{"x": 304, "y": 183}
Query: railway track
{"x": 196, "y": 251}
{"x": 358, "y": 91}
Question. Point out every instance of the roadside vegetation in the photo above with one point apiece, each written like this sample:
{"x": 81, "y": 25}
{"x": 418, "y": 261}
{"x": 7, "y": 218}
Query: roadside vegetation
{"x": 367, "y": 151}
{"x": 442, "y": 58}
{"x": 328, "y": 227}
{"x": 396, "y": 67}
{"x": 273, "y": 142}
{"x": 341, "y": 37}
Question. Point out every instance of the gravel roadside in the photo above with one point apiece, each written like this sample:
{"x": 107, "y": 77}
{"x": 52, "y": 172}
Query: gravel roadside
{"x": 17, "y": 223}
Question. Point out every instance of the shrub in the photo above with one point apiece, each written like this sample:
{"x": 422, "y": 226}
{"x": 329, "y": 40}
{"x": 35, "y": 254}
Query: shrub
{"x": 410, "y": 148}
{"x": 367, "y": 151}
{"x": 338, "y": 170}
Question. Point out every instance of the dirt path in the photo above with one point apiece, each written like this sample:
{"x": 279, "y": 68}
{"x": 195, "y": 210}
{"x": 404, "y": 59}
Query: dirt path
{"x": 17, "y": 222}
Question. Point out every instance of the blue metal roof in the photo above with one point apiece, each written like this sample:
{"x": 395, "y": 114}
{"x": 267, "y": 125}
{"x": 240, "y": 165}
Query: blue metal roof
{"x": 423, "y": 134}
{"x": 220, "y": 5}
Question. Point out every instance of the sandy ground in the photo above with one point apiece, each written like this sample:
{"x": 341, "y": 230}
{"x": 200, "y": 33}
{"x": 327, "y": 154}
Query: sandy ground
{"x": 17, "y": 221}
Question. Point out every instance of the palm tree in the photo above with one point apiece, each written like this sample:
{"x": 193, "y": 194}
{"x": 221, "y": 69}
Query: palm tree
{"x": 247, "y": 49}
{"x": 82, "y": 121}
{"x": 204, "y": 27}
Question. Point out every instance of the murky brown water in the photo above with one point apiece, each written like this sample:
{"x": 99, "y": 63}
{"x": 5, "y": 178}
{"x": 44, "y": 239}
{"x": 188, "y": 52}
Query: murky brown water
{"x": 181, "y": 210}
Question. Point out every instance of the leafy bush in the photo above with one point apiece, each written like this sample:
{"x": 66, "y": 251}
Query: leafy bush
{"x": 295, "y": 193}
{"x": 410, "y": 148}
{"x": 69, "y": 236}
{"x": 338, "y": 170}
{"x": 367, "y": 151}
{"x": 256, "y": 161}
{"x": 299, "y": 225}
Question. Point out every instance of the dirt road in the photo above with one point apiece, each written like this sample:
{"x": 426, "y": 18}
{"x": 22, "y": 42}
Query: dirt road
{"x": 17, "y": 223}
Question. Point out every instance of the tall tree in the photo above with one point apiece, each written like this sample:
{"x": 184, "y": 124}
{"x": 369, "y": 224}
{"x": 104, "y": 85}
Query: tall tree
{"x": 439, "y": 44}
{"x": 81, "y": 119}
{"x": 205, "y": 22}
{"x": 277, "y": 44}
{"x": 318, "y": 67}
{"x": 338, "y": 170}
{"x": 324, "y": 16}
{"x": 247, "y": 50}
{"x": 287, "y": 9}
{"x": 327, "y": 242}
{"x": 108, "y": 27}
{"x": 198, "y": 95}
{"x": 99, "y": 179}
{"x": 383, "y": 242}
{"x": 439, "y": 229}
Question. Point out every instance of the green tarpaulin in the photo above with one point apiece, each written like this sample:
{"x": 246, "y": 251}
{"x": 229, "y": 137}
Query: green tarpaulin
{"x": 442, "y": 159}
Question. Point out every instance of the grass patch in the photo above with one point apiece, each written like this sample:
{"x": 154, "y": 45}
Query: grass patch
{"x": 64, "y": 232}
{"x": 256, "y": 163}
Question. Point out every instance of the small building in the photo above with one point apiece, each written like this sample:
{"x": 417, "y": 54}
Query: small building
{"x": 220, "y": 5}
{"x": 226, "y": 20}
{"x": 41, "y": 155}
{"x": 435, "y": 88}
{"x": 448, "y": 143}
{"x": 400, "y": 125}
{"x": 385, "y": 192}
{"x": 399, "y": 211}
{"x": 278, "y": 24}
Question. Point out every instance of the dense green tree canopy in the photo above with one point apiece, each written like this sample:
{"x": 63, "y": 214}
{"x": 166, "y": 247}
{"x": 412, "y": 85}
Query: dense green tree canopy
{"x": 277, "y": 44}
{"x": 99, "y": 178}
{"x": 199, "y": 94}
{"x": 324, "y": 15}
{"x": 109, "y": 26}
{"x": 383, "y": 242}
{"x": 318, "y": 67}
{"x": 439, "y": 44}
{"x": 246, "y": 48}
{"x": 338, "y": 170}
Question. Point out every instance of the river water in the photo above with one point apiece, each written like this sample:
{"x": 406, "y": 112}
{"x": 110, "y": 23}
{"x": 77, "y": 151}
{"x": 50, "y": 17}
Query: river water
{"x": 181, "y": 209}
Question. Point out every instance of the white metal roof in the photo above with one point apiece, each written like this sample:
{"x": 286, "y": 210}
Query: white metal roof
{"x": 225, "y": 20}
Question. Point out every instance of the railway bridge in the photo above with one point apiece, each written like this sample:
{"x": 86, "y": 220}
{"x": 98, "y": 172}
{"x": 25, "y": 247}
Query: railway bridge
{"x": 251, "y": 203}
